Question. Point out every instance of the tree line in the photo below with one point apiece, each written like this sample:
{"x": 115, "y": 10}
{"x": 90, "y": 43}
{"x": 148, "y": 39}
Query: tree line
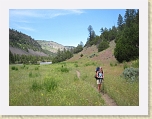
{"x": 127, "y": 39}
{"x": 67, "y": 54}
{"x": 27, "y": 59}
{"x": 125, "y": 35}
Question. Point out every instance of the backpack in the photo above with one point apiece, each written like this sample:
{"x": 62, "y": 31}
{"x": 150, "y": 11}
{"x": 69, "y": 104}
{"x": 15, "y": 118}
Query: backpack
{"x": 100, "y": 74}
{"x": 97, "y": 69}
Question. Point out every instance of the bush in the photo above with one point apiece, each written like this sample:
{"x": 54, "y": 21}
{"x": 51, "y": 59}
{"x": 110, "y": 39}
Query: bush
{"x": 90, "y": 64}
{"x": 125, "y": 65}
{"x": 81, "y": 55}
{"x": 131, "y": 74}
{"x": 102, "y": 46}
{"x": 111, "y": 64}
{"x": 135, "y": 63}
{"x": 64, "y": 69}
{"x": 14, "y": 68}
{"x": 50, "y": 84}
{"x": 30, "y": 74}
{"x": 36, "y": 68}
{"x": 76, "y": 65}
{"x": 36, "y": 86}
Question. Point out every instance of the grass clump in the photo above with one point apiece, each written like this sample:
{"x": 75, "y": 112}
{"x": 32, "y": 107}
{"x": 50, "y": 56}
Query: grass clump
{"x": 14, "y": 68}
{"x": 125, "y": 65}
{"x": 36, "y": 85}
{"x": 111, "y": 64}
{"x": 31, "y": 75}
{"x": 135, "y": 64}
{"x": 76, "y": 65}
{"x": 36, "y": 68}
{"x": 64, "y": 69}
{"x": 50, "y": 84}
{"x": 90, "y": 64}
{"x": 76, "y": 78}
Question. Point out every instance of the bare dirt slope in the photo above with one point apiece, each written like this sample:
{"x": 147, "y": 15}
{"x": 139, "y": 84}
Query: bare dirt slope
{"x": 92, "y": 53}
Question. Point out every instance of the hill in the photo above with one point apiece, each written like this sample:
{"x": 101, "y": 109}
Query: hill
{"x": 92, "y": 53}
{"x": 20, "y": 43}
{"x": 52, "y": 46}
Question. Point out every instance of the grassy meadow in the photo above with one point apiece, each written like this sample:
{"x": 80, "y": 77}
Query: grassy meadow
{"x": 59, "y": 85}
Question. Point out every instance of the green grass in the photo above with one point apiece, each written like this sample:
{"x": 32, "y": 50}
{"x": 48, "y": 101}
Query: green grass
{"x": 58, "y": 85}
{"x": 53, "y": 87}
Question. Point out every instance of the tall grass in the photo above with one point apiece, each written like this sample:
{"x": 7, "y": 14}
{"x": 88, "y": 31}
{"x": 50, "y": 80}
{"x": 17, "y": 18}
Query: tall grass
{"x": 52, "y": 87}
{"x": 58, "y": 85}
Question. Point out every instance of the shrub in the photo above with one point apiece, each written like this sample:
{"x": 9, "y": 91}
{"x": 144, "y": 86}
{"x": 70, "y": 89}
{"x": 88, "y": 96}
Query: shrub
{"x": 64, "y": 69}
{"x": 14, "y": 68}
{"x": 111, "y": 64}
{"x": 135, "y": 64}
{"x": 36, "y": 68}
{"x": 125, "y": 65}
{"x": 102, "y": 46}
{"x": 30, "y": 74}
{"x": 131, "y": 74}
{"x": 76, "y": 65}
{"x": 76, "y": 78}
{"x": 81, "y": 55}
{"x": 36, "y": 86}
{"x": 90, "y": 64}
{"x": 50, "y": 84}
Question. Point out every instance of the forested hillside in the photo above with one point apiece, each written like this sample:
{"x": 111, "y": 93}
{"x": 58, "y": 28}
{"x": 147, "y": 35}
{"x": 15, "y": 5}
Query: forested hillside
{"x": 23, "y": 41}
{"x": 126, "y": 36}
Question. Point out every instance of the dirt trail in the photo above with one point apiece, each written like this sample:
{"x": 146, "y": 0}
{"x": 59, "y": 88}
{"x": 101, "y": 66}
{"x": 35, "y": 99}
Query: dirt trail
{"x": 78, "y": 74}
{"x": 109, "y": 101}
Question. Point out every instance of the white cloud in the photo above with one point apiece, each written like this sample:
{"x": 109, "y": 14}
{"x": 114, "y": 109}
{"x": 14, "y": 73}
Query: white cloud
{"x": 41, "y": 13}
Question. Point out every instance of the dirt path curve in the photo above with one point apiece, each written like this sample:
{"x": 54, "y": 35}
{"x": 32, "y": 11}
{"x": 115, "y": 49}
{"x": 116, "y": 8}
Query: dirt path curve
{"x": 78, "y": 74}
{"x": 109, "y": 101}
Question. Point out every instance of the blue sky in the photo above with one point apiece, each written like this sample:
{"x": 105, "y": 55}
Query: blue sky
{"x": 64, "y": 26}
